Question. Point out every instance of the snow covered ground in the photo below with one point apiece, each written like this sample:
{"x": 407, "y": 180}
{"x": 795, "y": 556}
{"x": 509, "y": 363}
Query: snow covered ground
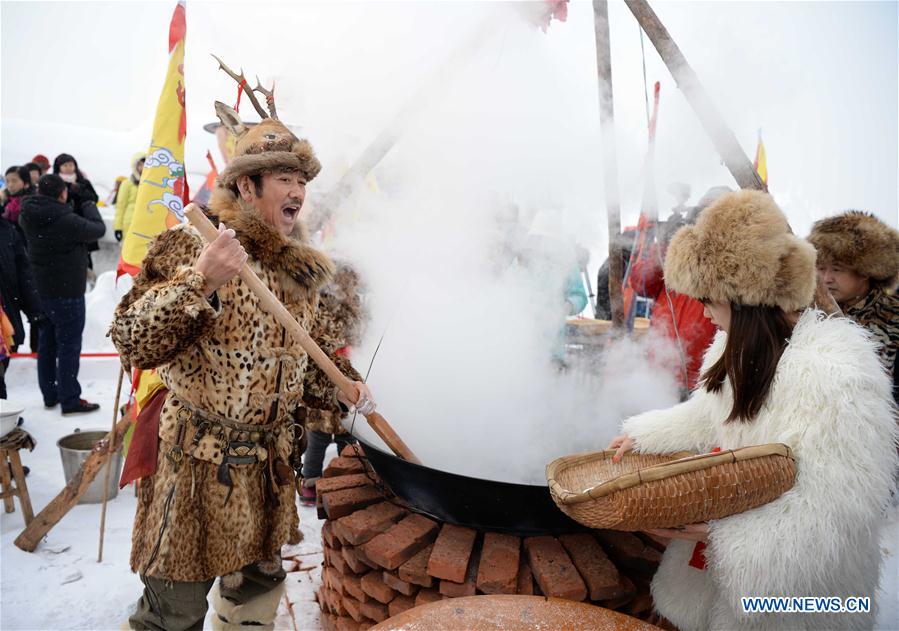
{"x": 61, "y": 585}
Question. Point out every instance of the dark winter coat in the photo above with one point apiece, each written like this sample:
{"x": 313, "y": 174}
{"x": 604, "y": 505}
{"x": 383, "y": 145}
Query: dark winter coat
{"x": 17, "y": 287}
{"x": 57, "y": 244}
{"x": 80, "y": 192}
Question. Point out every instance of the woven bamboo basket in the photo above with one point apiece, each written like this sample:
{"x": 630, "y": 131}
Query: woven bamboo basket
{"x": 644, "y": 491}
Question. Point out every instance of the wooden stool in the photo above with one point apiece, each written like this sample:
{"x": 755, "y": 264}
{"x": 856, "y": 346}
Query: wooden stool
{"x": 9, "y": 460}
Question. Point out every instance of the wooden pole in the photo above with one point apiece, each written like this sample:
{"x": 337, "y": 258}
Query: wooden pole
{"x": 609, "y": 158}
{"x": 31, "y": 536}
{"x": 111, "y": 452}
{"x": 725, "y": 142}
{"x": 378, "y": 148}
{"x": 270, "y": 303}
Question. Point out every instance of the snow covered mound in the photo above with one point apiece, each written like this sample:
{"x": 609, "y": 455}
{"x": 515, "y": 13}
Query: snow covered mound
{"x": 100, "y": 304}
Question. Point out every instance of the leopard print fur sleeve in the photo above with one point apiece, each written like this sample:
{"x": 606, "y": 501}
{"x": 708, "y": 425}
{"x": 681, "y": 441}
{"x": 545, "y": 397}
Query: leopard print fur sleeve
{"x": 328, "y": 332}
{"x": 165, "y": 312}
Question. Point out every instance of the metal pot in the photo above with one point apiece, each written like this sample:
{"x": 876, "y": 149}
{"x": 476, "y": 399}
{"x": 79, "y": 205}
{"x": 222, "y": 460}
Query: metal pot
{"x": 75, "y": 449}
{"x": 519, "y": 509}
{"x": 9, "y": 416}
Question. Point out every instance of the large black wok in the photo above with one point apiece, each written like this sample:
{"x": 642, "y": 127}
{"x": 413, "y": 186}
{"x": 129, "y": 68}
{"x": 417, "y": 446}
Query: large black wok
{"x": 519, "y": 509}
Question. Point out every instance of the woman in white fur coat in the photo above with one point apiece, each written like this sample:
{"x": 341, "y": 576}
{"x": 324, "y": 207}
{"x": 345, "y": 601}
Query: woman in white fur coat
{"x": 775, "y": 373}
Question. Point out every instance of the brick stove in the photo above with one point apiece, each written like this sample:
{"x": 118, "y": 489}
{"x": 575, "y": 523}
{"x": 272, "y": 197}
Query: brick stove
{"x": 381, "y": 559}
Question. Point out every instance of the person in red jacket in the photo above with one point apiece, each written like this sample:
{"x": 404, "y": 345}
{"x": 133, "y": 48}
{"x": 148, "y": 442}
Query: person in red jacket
{"x": 677, "y": 317}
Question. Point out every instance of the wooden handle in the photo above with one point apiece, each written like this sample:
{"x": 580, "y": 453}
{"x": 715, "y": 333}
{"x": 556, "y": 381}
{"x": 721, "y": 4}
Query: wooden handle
{"x": 271, "y": 304}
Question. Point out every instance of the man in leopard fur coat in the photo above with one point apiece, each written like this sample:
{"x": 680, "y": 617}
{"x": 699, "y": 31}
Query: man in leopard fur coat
{"x": 221, "y": 502}
{"x": 858, "y": 262}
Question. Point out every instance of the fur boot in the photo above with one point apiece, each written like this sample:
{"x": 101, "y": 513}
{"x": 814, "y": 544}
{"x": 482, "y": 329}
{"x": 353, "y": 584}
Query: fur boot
{"x": 258, "y": 613}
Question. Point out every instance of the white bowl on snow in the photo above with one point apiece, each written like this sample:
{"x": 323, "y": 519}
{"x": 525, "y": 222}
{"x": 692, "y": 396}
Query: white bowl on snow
{"x": 9, "y": 416}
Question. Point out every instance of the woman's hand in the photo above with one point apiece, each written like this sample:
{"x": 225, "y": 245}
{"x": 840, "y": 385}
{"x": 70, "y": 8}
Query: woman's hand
{"x": 221, "y": 260}
{"x": 690, "y": 532}
{"x": 364, "y": 403}
{"x": 622, "y": 444}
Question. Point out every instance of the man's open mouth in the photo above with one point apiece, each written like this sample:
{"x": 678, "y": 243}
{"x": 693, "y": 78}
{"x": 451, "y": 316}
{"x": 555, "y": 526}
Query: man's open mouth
{"x": 291, "y": 212}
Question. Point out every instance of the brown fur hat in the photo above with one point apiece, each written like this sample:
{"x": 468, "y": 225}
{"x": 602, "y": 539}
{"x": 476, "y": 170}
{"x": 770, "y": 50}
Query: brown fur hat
{"x": 861, "y": 241}
{"x": 264, "y": 148}
{"x": 742, "y": 250}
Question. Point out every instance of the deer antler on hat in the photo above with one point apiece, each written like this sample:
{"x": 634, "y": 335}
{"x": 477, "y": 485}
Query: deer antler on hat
{"x": 266, "y": 147}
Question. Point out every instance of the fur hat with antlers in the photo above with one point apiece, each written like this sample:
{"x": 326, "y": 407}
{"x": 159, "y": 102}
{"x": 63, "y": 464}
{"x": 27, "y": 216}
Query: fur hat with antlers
{"x": 264, "y": 148}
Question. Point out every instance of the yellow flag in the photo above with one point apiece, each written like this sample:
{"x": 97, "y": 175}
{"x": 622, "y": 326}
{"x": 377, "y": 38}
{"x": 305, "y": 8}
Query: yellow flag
{"x": 761, "y": 160}
{"x": 162, "y": 192}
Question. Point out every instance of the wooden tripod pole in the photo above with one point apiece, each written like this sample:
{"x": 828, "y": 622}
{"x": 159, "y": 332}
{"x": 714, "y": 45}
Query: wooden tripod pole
{"x": 722, "y": 137}
{"x": 111, "y": 456}
{"x": 269, "y": 302}
{"x": 609, "y": 159}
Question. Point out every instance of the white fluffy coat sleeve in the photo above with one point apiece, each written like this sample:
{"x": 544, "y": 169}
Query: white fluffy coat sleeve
{"x": 688, "y": 426}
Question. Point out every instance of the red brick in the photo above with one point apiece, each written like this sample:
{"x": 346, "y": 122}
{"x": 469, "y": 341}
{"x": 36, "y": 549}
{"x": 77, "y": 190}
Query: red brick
{"x": 352, "y": 585}
{"x": 465, "y": 588}
{"x": 345, "y": 623}
{"x": 335, "y": 559}
{"x": 341, "y": 482}
{"x": 426, "y": 596}
{"x": 328, "y": 535}
{"x": 329, "y": 622}
{"x": 626, "y": 592}
{"x": 333, "y": 601}
{"x": 353, "y": 608}
{"x": 374, "y": 610}
{"x": 600, "y": 574}
{"x": 498, "y": 569}
{"x": 629, "y": 551}
{"x": 374, "y": 586}
{"x": 353, "y": 561}
{"x": 352, "y": 451}
{"x": 327, "y": 579}
{"x": 399, "y": 544}
{"x": 525, "y": 579}
{"x": 449, "y": 558}
{"x": 415, "y": 570}
{"x": 360, "y": 552}
{"x": 338, "y": 504}
{"x": 554, "y": 571}
{"x": 398, "y": 584}
{"x": 363, "y": 525}
{"x": 343, "y": 466}
{"x": 400, "y": 604}
{"x": 319, "y": 508}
